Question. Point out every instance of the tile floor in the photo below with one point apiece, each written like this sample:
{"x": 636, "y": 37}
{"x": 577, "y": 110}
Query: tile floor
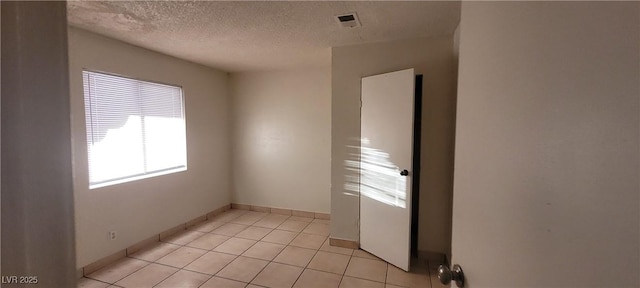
{"x": 242, "y": 248}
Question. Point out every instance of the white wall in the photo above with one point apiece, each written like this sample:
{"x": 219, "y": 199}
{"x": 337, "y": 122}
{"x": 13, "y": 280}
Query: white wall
{"x": 433, "y": 57}
{"x": 281, "y": 139}
{"x": 37, "y": 194}
{"x": 547, "y": 162}
{"x": 139, "y": 209}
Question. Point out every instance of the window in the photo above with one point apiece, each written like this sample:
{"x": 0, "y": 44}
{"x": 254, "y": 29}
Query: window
{"x": 135, "y": 129}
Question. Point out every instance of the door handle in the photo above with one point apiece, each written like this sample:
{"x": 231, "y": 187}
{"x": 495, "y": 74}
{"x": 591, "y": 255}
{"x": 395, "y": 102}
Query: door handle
{"x": 404, "y": 172}
{"x": 445, "y": 275}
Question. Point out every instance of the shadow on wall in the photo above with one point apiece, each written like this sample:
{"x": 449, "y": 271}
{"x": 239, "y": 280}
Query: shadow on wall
{"x": 371, "y": 173}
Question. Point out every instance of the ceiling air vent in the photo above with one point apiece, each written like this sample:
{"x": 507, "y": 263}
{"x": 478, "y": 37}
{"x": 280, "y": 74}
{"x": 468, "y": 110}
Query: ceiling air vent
{"x": 348, "y": 20}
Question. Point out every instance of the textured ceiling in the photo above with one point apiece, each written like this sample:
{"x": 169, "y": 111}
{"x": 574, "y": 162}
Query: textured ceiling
{"x": 262, "y": 35}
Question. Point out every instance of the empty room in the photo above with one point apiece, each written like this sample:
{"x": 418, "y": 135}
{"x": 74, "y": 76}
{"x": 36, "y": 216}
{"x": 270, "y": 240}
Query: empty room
{"x": 320, "y": 144}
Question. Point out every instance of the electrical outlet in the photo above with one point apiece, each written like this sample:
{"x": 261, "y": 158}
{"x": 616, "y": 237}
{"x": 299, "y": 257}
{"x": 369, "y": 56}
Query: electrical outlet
{"x": 112, "y": 235}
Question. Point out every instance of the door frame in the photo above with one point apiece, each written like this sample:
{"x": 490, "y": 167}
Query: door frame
{"x": 416, "y": 163}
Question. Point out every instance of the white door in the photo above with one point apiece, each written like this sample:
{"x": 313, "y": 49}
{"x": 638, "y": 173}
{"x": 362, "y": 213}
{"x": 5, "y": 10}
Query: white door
{"x": 387, "y": 142}
{"x": 546, "y": 190}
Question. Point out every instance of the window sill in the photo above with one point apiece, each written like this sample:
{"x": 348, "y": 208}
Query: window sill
{"x": 135, "y": 178}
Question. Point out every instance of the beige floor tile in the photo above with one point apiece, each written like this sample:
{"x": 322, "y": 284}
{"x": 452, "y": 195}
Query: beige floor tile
{"x": 155, "y": 251}
{"x": 294, "y": 226}
{"x": 243, "y": 269}
{"x": 317, "y": 229}
{"x": 364, "y": 254}
{"x": 210, "y": 263}
{"x": 280, "y": 237}
{"x": 295, "y": 256}
{"x": 249, "y": 218}
{"x": 90, "y": 283}
{"x": 184, "y": 279}
{"x": 253, "y": 286}
{"x": 148, "y": 276}
{"x": 329, "y": 262}
{"x": 277, "y": 275}
{"x": 235, "y": 246}
{"x": 229, "y": 229}
{"x": 335, "y": 249}
{"x": 217, "y": 282}
{"x": 228, "y": 215}
{"x": 118, "y": 270}
{"x": 183, "y": 237}
{"x": 264, "y": 250}
{"x": 312, "y": 279}
{"x": 310, "y": 241}
{"x": 207, "y": 226}
{"x": 350, "y": 282}
{"x": 271, "y": 221}
{"x": 258, "y": 243}
{"x": 254, "y": 233}
{"x": 301, "y": 219}
{"x": 369, "y": 269}
{"x": 181, "y": 257}
{"x": 208, "y": 241}
{"x": 417, "y": 277}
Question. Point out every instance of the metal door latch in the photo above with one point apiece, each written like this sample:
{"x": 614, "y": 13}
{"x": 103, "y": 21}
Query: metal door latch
{"x": 445, "y": 275}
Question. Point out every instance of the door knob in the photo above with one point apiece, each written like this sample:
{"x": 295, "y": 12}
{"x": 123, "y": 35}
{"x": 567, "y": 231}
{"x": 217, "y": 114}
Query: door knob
{"x": 404, "y": 172}
{"x": 445, "y": 275}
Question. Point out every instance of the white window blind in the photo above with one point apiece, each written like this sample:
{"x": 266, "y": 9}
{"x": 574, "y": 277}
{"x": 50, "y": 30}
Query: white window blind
{"x": 135, "y": 129}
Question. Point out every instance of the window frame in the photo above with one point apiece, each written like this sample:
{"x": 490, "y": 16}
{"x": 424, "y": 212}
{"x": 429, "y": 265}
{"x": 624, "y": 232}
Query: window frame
{"x": 133, "y": 177}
